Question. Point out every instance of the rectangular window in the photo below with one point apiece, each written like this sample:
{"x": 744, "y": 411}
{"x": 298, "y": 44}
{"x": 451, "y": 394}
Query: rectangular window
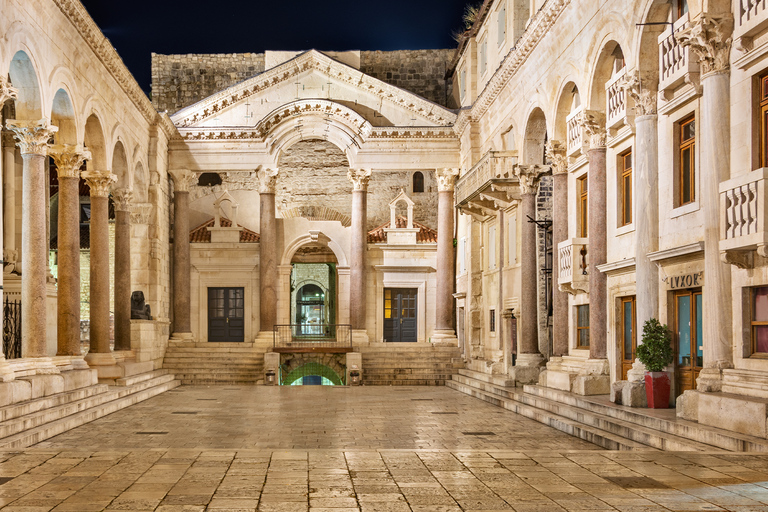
{"x": 483, "y": 57}
{"x": 681, "y": 8}
{"x": 513, "y": 239}
{"x": 582, "y": 188}
{"x": 687, "y": 174}
{"x": 760, "y": 320}
{"x": 492, "y": 247}
{"x": 501, "y": 27}
{"x": 582, "y": 326}
{"x": 492, "y": 324}
{"x": 625, "y": 188}
{"x": 764, "y": 120}
{"x": 463, "y": 255}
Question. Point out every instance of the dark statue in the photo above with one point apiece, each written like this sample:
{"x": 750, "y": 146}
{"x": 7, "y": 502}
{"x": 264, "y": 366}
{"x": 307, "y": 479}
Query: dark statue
{"x": 139, "y": 309}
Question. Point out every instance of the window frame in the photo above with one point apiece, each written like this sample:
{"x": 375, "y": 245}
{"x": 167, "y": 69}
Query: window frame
{"x": 421, "y": 182}
{"x": 483, "y": 57}
{"x": 492, "y": 320}
{"x": 501, "y": 24}
{"x": 625, "y": 181}
{"x": 582, "y": 189}
{"x": 684, "y": 145}
{"x": 754, "y": 323}
{"x": 762, "y": 105}
{"x": 580, "y": 328}
{"x": 493, "y": 264}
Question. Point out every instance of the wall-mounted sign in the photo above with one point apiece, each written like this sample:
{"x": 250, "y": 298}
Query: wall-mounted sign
{"x": 686, "y": 281}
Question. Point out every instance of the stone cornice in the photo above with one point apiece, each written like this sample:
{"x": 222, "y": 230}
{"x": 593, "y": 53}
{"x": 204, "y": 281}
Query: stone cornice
{"x": 379, "y": 134}
{"x": 309, "y": 60}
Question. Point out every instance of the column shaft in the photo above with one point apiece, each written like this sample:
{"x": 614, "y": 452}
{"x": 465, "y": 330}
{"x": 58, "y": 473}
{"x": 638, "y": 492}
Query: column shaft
{"x": 359, "y": 244}
{"x": 445, "y": 261}
{"x": 268, "y": 261}
{"x": 559, "y": 234}
{"x": 122, "y": 297}
{"x": 68, "y": 299}
{"x": 99, "y": 301}
{"x": 598, "y": 309}
{"x": 9, "y": 199}
{"x": 528, "y": 339}
{"x": 181, "y": 265}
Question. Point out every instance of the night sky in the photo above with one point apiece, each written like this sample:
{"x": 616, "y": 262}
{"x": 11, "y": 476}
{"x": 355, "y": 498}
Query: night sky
{"x": 139, "y": 27}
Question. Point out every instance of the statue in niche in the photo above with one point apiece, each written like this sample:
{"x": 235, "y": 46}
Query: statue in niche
{"x": 139, "y": 309}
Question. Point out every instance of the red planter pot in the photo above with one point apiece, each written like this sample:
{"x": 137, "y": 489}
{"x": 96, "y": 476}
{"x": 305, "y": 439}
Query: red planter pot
{"x": 657, "y": 387}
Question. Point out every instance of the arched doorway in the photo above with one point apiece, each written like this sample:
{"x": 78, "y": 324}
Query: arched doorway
{"x": 313, "y": 291}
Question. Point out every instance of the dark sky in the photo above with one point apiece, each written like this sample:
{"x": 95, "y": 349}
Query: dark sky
{"x": 139, "y": 27}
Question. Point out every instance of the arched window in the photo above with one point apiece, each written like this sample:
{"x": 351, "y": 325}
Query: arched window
{"x": 209, "y": 179}
{"x": 418, "y": 182}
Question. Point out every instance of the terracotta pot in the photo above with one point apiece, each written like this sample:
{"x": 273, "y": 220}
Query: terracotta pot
{"x": 657, "y": 387}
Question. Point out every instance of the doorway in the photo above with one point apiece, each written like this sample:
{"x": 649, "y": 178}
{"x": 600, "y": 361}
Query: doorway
{"x": 226, "y": 319}
{"x": 689, "y": 347}
{"x": 628, "y": 334}
{"x": 400, "y": 314}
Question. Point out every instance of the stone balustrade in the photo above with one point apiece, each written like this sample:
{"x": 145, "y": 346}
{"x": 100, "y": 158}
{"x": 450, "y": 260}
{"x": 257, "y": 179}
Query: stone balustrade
{"x": 573, "y": 262}
{"x": 616, "y": 101}
{"x": 751, "y": 18}
{"x": 494, "y": 165}
{"x": 575, "y": 132}
{"x": 743, "y": 217}
{"x": 675, "y": 64}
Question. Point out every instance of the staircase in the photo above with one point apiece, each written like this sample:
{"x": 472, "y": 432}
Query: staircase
{"x": 215, "y": 363}
{"x": 597, "y": 420}
{"x": 409, "y": 364}
{"x": 28, "y": 422}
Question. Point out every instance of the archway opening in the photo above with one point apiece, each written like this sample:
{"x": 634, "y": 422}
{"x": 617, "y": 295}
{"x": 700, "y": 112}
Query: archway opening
{"x": 312, "y": 374}
{"x": 313, "y": 291}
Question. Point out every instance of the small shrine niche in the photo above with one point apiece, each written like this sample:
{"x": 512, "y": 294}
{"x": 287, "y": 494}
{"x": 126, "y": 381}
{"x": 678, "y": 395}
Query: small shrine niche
{"x": 405, "y": 235}
{"x": 219, "y": 233}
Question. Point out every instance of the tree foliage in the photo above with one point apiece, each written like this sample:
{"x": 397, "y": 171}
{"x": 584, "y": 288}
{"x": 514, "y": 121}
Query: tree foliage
{"x": 656, "y": 350}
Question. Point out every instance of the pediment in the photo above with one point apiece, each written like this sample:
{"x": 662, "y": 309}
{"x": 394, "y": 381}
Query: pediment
{"x": 312, "y": 76}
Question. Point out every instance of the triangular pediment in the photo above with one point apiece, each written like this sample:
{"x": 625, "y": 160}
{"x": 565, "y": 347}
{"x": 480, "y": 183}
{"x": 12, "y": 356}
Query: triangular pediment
{"x": 312, "y": 75}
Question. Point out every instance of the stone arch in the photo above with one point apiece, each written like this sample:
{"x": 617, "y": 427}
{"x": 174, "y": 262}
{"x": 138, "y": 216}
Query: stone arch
{"x": 646, "y": 43}
{"x": 568, "y": 100}
{"x": 329, "y": 366}
{"x": 314, "y": 238}
{"x": 63, "y": 116}
{"x": 95, "y": 143}
{"x": 120, "y": 165}
{"x": 140, "y": 183}
{"x": 602, "y": 72}
{"x": 24, "y": 78}
{"x": 535, "y": 137}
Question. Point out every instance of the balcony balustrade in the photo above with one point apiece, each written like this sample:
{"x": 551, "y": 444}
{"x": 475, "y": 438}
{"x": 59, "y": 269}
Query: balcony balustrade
{"x": 751, "y": 18}
{"x": 489, "y": 184}
{"x": 575, "y": 132}
{"x": 743, "y": 218}
{"x": 675, "y": 63}
{"x": 573, "y": 262}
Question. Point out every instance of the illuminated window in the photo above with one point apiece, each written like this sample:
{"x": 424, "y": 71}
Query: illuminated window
{"x": 582, "y": 326}
{"x": 625, "y": 188}
{"x": 687, "y": 174}
{"x": 582, "y": 187}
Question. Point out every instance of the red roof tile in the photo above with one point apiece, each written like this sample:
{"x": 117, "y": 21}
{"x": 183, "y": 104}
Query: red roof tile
{"x": 201, "y": 234}
{"x": 425, "y": 235}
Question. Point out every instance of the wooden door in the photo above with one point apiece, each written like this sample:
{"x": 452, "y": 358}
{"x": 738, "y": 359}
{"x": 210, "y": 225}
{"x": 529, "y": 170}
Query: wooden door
{"x": 226, "y": 318}
{"x": 400, "y": 314}
{"x": 628, "y": 339}
{"x": 689, "y": 357}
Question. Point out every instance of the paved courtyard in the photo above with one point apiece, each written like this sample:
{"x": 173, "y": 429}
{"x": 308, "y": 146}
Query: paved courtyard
{"x": 324, "y": 449}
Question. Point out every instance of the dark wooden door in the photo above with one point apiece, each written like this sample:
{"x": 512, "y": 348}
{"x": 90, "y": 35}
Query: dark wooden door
{"x": 226, "y": 318}
{"x": 689, "y": 357}
{"x": 400, "y": 314}
{"x": 628, "y": 335}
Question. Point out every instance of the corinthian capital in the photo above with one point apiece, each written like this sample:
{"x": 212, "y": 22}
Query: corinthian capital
{"x": 183, "y": 179}
{"x": 446, "y": 179}
{"x": 593, "y": 122}
{"x": 6, "y": 91}
{"x": 99, "y": 182}
{"x": 530, "y": 176}
{"x": 267, "y": 181}
{"x": 140, "y": 213}
{"x": 32, "y": 136}
{"x": 122, "y": 198}
{"x": 359, "y": 178}
{"x": 69, "y": 159}
{"x": 555, "y": 153}
{"x": 641, "y": 93}
{"x": 709, "y": 37}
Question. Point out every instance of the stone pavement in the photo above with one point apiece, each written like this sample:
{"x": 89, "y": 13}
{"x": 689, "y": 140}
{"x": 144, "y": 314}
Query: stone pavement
{"x": 364, "y": 449}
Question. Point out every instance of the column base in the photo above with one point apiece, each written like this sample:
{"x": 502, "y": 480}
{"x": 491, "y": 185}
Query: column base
{"x": 444, "y": 337}
{"x": 594, "y": 379}
{"x": 360, "y": 337}
{"x": 710, "y": 380}
{"x": 100, "y": 359}
{"x": 637, "y": 373}
{"x": 527, "y": 369}
{"x": 6, "y": 373}
{"x": 181, "y": 336}
{"x": 44, "y": 366}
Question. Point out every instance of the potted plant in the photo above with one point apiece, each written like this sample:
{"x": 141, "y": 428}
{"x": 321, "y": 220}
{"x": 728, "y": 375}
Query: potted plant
{"x": 656, "y": 353}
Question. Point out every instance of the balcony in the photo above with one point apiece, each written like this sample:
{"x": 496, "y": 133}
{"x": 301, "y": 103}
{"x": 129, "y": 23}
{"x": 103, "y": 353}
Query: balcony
{"x": 573, "y": 262}
{"x": 575, "y": 132}
{"x": 488, "y": 186}
{"x": 743, "y": 218}
{"x": 616, "y": 102}
{"x": 676, "y": 66}
{"x": 750, "y": 19}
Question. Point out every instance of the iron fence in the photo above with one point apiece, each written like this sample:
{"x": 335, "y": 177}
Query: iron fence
{"x": 313, "y": 336}
{"x": 12, "y": 329}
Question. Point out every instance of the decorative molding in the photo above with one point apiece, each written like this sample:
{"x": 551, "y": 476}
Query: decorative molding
{"x": 739, "y": 259}
{"x": 399, "y": 133}
{"x": 446, "y": 179}
{"x": 616, "y": 267}
{"x": 267, "y": 180}
{"x": 323, "y": 108}
{"x": 32, "y": 136}
{"x": 140, "y": 213}
{"x": 555, "y": 153}
{"x": 529, "y": 177}
{"x": 313, "y": 60}
{"x": 593, "y": 123}
{"x": 6, "y": 91}
{"x": 359, "y": 178}
{"x": 183, "y": 179}
{"x": 99, "y": 182}
{"x": 645, "y": 99}
{"x": 376, "y": 133}
{"x": 709, "y": 37}
{"x": 683, "y": 250}
{"x": 69, "y": 159}
{"x": 122, "y": 198}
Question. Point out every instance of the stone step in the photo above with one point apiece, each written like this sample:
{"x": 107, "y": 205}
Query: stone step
{"x": 410, "y": 382}
{"x": 219, "y": 382}
{"x": 497, "y": 380}
{"x": 216, "y": 363}
{"x": 211, "y": 345}
{"x": 141, "y": 377}
{"x": 10, "y": 412}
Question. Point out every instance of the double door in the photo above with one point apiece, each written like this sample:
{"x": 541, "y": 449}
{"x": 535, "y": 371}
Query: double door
{"x": 689, "y": 357}
{"x": 400, "y": 314}
{"x": 226, "y": 319}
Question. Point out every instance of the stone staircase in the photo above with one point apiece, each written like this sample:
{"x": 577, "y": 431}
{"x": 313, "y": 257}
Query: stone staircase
{"x": 602, "y": 422}
{"x": 54, "y": 404}
{"x": 409, "y": 364}
{"x": 215, "y": 363}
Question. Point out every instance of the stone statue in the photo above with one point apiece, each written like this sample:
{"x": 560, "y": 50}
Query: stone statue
{"x": 139, "y": 309}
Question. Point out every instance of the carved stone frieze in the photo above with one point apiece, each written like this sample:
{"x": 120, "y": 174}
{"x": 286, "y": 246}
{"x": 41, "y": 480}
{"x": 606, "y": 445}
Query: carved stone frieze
{"x": 69, "y": 159}
{"x": 555, "y": 153}
{"x": 326, "y": 109}
{"x": 446, "y": 179}
{"x": 359, "y": 178}
{"x": 6, "y": 91}
{"x": 99, "y": 182}
{"x": 32, "y": 137}
{"x": 643, "y": 96}
{"x": 183, "y": 179}
{"x": 122, "y": 198}
{"x": 593, "y": 123}
{"x": 530, "y": 176}
{"x": 267, "y": 181}
{"x": 709, "y": 37}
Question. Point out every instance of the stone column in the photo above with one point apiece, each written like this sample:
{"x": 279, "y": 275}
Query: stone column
{"x": 556, "y": 154}
{"x": 529, "y": 359}
{"x": 122, "y": 198}
{"x": 182, "y": 325}
{"x": 99, "y": 183}
{"x": 268, "y": 249}
{"x": 10, "y": 250}
{"x": 359, "y": 246}
{"x": 645, "y": 208}
{"x": 709, "y": 38}
{"x": 7, "y": 167}
{"x": 446, "y": 270}
{"x": 33, "y": 137}
{"x": 69, "y": 159}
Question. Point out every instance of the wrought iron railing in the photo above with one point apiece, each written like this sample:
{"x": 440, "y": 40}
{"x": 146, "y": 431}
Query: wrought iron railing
{"x": 12, "y": 329}
{"x": 311, "y": 336}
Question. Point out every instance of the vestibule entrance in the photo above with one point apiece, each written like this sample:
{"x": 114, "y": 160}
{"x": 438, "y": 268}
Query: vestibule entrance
{"x": 313, "y": 291}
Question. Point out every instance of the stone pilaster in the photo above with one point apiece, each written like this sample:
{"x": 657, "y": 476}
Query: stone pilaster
{"x": 555, "y": 151}
{"x": 528, "y": 355}
{"x": 709, "y": 37}
{"x": 122, "y": 198}
{"x": 182, "y": 324}
{"x": 268, "y": 274}
{"x": 6, "y": 93}
{"x": 99, "y": 183}
{"x": 446, "y": 271}
{"x": 33, "y": 138}
{"x": 69, "y": 159}
{"x": 359, "y": 246}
